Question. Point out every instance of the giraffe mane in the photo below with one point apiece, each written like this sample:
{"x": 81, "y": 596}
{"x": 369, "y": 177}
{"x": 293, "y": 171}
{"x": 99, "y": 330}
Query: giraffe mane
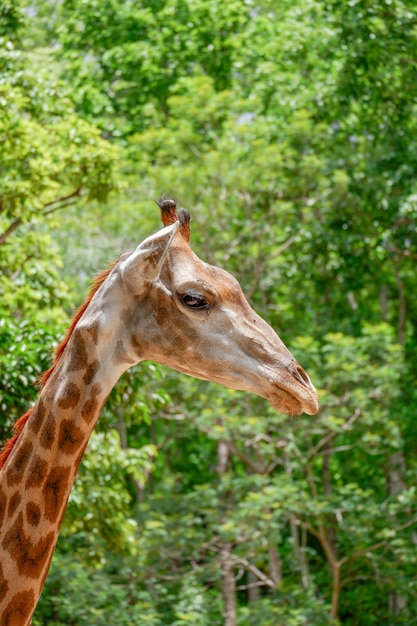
{"x": 20, "y": 423}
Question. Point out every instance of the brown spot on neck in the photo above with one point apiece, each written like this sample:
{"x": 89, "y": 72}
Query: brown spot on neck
{"x": 38, "y": 416}
{"x": 70, "y": 398}
{"x": 121, "y": 356}
{"x": 70, "y": 437}
{"x": 15, "y": 472}
{"x": 93, "y": 331}
{"x": 37, "y": 473}
{"x": 89, "y": 410}
{"x": 90, "y": 372}
{"x": 77, "y": 358}
{"x": 33, "y": 513}
{"x": 30, "y": 556}
{"x": 19, "y": 609}
{"x": 47, "y": 436}
{"x": 55, "y": 491}
{"x": 91, "y": 406}
{"x": 13, "y": 504}
{"x": 4, "y": 585}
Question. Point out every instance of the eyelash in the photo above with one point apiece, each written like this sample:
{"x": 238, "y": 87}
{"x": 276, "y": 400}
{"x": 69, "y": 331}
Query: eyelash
{"x": 194, "y": 302}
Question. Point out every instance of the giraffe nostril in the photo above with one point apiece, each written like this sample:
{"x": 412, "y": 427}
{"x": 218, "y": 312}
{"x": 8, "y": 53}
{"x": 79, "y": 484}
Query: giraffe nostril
{"x": 301, "y": 375}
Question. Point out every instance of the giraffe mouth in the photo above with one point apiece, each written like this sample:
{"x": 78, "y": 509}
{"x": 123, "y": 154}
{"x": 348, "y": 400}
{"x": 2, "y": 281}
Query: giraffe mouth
{"x": 288, "y": 402}
{"x": 284, "y": 402}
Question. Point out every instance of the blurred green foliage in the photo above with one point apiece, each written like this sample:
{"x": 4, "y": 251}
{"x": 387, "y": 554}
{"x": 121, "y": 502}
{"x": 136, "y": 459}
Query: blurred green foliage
{"x": 288, "y": 129}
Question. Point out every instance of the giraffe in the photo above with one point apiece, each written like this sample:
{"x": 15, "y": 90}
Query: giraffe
{"x": 160, "y": 302}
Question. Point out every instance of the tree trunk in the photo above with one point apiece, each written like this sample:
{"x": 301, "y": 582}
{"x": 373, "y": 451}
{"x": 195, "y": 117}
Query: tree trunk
{"x": 331, "y": 528}
{"x": 275, "y": 564}
{"x": 222, "y": 457}
{"x": 397, "y": 602}
{"x": 228, "y": 585}
{"x": 383, "y": 302}
{"x": 402, "y": 303}
{"x": 299, "y": 553}
{"x": 396, "y": 473}
{"x": 397, "y": 468}
{"x": 226, "y": 554}
{"x": 336, "y": 588}
{"x": 253, "y": 588}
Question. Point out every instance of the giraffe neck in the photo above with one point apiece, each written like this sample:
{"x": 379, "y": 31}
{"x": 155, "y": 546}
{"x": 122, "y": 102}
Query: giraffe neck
{"x": 37, "y": 478}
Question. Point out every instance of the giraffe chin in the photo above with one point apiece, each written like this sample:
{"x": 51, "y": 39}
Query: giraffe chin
{"x": 285, "y": 402}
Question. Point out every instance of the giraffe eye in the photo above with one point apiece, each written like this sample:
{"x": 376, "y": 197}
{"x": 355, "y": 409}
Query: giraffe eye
{"x": 194, "y": 302}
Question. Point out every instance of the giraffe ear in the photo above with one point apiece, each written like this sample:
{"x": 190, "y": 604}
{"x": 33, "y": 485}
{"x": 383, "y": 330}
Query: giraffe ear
{"x": 144, "y": 264}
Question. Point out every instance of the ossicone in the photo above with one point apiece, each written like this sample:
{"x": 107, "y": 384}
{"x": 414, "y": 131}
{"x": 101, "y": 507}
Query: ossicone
{"x": 169, "y": 215}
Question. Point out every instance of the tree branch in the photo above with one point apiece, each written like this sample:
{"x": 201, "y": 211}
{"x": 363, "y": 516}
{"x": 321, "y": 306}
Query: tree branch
{"x": 252, "y": 568}
{"x": 324, "y": 544}
{"x": 62, "y": 202}
{"x": 13, "y": 226}
{"x": 285, "y": 245}
{"x": 59, "y": 203}
{"x": 246, "y": 459}
{"x": 358, "y": 553}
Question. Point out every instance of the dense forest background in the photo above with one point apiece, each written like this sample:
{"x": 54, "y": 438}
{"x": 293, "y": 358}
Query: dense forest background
{"x": 288, "y": 128}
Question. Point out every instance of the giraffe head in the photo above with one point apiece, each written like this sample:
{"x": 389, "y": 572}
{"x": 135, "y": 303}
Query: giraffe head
{"x": 193, "y": 317}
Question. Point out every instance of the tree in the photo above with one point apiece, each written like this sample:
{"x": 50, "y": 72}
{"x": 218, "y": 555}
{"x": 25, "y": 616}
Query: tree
{"x": 288, "y": 129}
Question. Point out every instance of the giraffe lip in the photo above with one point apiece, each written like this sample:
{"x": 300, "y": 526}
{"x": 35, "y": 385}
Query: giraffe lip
{"x": 287, "y": 401}
{"x": 289, "y": 388}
